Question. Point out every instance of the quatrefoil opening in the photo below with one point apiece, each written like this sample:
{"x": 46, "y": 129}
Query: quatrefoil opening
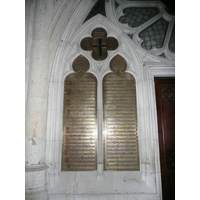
{"x": 99, "y": 44}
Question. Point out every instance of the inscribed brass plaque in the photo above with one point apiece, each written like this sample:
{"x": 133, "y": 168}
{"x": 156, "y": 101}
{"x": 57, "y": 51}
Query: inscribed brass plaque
{"x": 86, "y": 44}
{"x": 81, "y": 64}
{"x": 118, "y": 64}
{"x": 120, "y": 122}
{"x": 99, "y": 33}
{"x": 112, "y": 43}
{"x": 79, "y": 149}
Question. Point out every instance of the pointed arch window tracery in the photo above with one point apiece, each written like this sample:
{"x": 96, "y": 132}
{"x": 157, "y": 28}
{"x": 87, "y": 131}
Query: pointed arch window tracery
{"x": 80, "y": 119}
{"x": 150, "y": 17}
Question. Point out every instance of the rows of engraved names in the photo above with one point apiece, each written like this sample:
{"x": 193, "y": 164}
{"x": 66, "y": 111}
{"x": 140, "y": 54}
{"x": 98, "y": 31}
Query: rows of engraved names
{"x": 79, "y": 146}
{"x": 120, "y": 119}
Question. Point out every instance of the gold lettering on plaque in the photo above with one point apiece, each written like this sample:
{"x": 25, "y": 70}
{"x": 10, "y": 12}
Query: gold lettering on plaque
{"x": 79, "y": 149}
{"x": 120, "y": 119}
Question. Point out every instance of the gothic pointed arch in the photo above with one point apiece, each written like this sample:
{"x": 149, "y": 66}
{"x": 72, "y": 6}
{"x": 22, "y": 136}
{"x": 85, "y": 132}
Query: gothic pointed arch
{"x": 141, "y": 65}
{"x": 79, "y": 146}
{"x": 62, "y": 67}
{"x": 120, "y": 135}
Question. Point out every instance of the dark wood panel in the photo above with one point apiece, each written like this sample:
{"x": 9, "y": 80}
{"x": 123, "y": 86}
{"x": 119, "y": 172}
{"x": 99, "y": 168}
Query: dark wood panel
{"x": 165, "y": 99}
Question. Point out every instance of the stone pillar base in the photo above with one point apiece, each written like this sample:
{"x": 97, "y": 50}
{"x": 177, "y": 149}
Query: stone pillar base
{"x": 40, "y": 193}
{"x": 36, "y": 182}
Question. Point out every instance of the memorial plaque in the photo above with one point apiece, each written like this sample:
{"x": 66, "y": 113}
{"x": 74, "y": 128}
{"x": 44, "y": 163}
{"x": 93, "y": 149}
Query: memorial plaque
{"x": 120, "y": 122}
{"x": 86, "y": 44}
{"x": 99, "y": 33}
{"x": 118, "y": 64}
{"x": 81, "y": 64}
{"x": 79, "y": 149}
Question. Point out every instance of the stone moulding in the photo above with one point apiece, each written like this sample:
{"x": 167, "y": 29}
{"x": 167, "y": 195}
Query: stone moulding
{"x": 35, "y": 168}
{"x": 114, "y": 15}
{"x": 144, "y": 73}
{"x": 103, "y": 197}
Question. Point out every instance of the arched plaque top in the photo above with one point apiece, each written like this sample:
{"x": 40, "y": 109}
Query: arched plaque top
{"x": 118, "y": 64}
{"x": 81, "y": 64}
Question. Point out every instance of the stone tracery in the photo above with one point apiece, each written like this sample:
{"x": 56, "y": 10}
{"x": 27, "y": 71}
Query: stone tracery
{"x": 67, "y": 49}
{"x": 99, "y": 44}
{"x": 134, "y": 24}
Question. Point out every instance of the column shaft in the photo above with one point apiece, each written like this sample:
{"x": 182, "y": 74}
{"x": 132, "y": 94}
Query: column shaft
{"x": 36, "y": 106}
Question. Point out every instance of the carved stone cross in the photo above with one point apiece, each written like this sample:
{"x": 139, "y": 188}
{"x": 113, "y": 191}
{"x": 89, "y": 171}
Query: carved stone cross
{"x": 99, "y": 44}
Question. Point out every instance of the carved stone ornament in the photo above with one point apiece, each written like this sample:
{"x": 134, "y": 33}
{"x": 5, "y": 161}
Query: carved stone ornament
{"x": 99, "y": 44}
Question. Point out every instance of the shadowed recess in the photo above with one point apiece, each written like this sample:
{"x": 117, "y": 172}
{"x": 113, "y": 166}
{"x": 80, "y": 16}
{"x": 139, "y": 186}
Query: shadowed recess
{"x": 172, "y": 41}
{"x": 98, "y": 8}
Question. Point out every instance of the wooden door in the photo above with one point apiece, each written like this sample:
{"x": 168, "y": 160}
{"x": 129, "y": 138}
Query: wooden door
{"x": 165, "y": 100}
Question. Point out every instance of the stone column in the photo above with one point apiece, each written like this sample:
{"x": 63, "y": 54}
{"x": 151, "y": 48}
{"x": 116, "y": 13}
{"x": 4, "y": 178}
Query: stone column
{"x": 146, "y": 129}
{"x": 36, "y": 106}
{"x": 100, "y": 129}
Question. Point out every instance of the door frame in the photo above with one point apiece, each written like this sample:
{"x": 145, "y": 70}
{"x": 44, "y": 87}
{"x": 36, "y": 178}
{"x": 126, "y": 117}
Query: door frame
{"x": 157, "y": 70}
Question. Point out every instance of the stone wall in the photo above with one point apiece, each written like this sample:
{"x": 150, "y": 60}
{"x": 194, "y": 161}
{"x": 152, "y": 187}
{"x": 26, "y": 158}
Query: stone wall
{"x": 54, "y": 29}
